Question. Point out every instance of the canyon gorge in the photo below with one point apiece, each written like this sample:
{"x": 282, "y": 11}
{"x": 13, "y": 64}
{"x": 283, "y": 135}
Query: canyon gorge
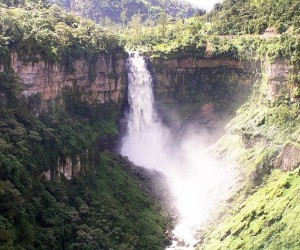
{"x": 191, "y": 143}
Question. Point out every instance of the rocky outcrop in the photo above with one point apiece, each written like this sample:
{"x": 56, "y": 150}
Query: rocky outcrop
{"x": 151, "y": 181}
{"x": 206, "y": 117}
{"x": 69, "y": 168}
{"x": 289, "y": 158}
{"x": 277, "y": 74}
{"x": 190, "y": 80}
{"x": 98, "y": 81}
{"x": 66, "y": 167}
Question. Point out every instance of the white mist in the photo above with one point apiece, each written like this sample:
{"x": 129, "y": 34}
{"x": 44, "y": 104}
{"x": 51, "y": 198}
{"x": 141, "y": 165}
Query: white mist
{"x": 198, "y": 181}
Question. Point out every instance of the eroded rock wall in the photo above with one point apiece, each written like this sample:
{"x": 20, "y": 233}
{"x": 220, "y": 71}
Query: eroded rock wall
{"x": 277, "y": 74}
{"x": 98, "y": 81}
{"x": 224, "y": 85}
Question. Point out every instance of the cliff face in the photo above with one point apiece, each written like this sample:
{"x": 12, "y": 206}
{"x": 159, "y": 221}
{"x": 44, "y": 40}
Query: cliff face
{"x": 95, "y": 81}
{"x": 98, "y": 81}
{"x": 187, "y": 79}
{"x": 202, "y": 92}
{"x": 277, "y": 74}
{"x": 191, "y": 84}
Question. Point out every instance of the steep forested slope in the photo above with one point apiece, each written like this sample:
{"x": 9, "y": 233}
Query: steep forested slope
{"x": 254, "y": 16}
{"x": 122, "y": 11}
{"x": 41, "y": 207}
{"x": 52, "y": 32}
{"x": 263, "y": 138}
{"x": 245, "y": 19}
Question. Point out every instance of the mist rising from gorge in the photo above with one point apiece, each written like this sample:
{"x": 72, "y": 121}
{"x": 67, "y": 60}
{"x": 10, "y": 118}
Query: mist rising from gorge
{"x": 197, "y": 179}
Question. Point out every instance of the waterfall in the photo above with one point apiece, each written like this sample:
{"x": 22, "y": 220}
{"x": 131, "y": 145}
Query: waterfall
{"x": 146, "y": 136}
{"x": 197, "y": 179}
{"x": 140, "y": 95}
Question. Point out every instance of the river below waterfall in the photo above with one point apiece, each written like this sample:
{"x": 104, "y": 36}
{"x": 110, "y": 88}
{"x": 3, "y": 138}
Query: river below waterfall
{"x": 198, "y": 180}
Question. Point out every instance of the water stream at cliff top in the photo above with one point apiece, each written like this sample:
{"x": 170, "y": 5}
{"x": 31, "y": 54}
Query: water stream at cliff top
{"x": 198, "y": 181}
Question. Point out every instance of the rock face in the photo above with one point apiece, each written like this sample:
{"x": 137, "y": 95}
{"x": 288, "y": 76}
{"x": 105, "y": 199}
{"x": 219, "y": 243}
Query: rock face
{"x": 98, "y": 81}
{"x": 223, "y": 84}
{"x": 67, "y": 168}
{"x": 277, "y": 74}
{"x": 289, "y": 158}
{"x": 206, "y": 117}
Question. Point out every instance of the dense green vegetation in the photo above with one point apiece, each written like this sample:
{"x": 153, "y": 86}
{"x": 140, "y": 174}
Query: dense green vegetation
{"x": 257, "y": 224}
{"x": 53, "y": 33}
{"x": 122, "y": 12}
{"x": 103, "y": 206}
{"x": 254, "y": 16}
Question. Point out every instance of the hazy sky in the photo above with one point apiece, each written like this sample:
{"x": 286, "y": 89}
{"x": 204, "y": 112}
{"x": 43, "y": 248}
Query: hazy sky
{"x": 204, "y": 4}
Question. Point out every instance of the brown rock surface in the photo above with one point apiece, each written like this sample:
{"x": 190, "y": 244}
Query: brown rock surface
{"x": 289, "y": 158}
{"x": 105, "y": 83}
{"x": 278, "y": 77}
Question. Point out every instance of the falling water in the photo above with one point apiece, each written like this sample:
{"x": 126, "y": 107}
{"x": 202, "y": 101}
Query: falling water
{"x": 146, "y": 136}
{"x": 198, "y": 181}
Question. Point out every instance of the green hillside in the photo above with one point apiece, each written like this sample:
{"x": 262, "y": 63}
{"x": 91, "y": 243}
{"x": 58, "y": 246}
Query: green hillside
{"x": 122, "y": 11}
{"x": 105, "y": 207}
{"x": 254, "y": 16}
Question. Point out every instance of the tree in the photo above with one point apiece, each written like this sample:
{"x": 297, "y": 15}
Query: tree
{"x": 136, "y": 23}
{"x": 163, "y": 21}
{"x": 123, "y": 16}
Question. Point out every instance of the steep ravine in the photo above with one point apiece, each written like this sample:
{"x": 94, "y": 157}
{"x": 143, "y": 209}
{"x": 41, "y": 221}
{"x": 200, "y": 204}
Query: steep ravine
{"x": 61, "y": 186}
{"x": 261, "y": 138}
{"x": 205, "y": 93}
{"x": 188, "y": 165}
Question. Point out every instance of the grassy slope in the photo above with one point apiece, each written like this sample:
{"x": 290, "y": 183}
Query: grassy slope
{"x": 266, "y": 219}
{"x": 263, "y": 214}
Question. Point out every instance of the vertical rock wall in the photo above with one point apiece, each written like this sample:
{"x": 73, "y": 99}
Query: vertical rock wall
{"x": 98, "y": 81}
{"x": 189, "y": 85}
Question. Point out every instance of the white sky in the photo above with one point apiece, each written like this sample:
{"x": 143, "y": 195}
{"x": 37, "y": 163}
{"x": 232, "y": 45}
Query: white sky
{"x": 204, "y": 4}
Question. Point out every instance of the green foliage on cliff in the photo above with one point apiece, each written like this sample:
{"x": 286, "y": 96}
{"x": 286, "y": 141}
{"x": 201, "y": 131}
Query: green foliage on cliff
{"x": 263, "y": 212}
{"x": 232, "y": 30}
{"x": 180, "y": 38}
{"x": 103, "y": 208}
{"x": 53, "y": 33}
